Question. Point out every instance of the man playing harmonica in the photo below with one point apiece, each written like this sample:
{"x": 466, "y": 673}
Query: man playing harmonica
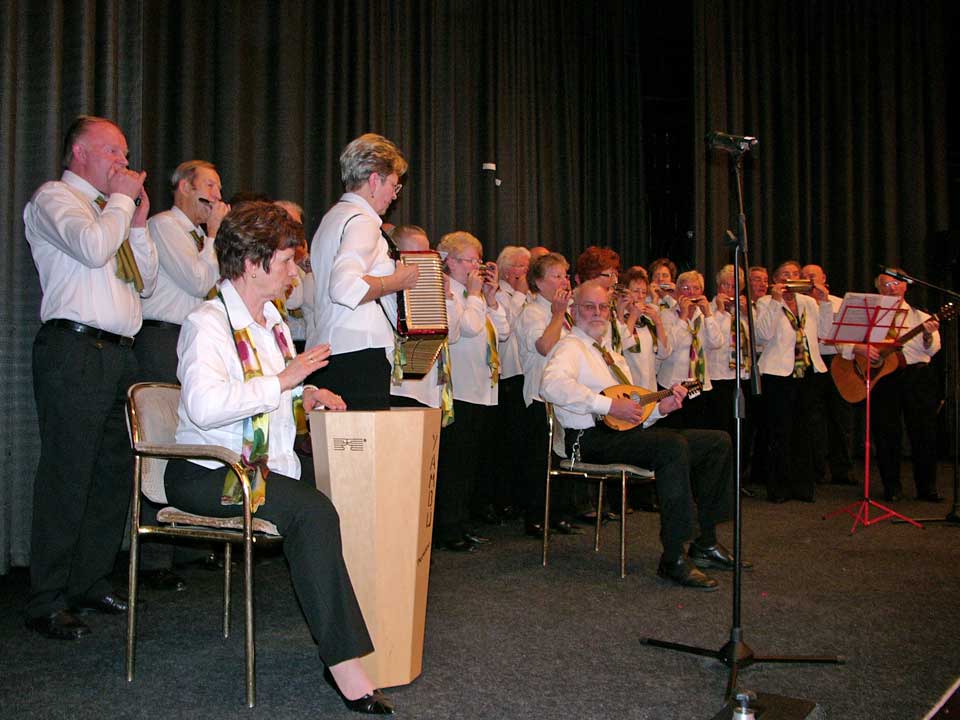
{"x": 687, "y": 463}
{"x": 95, "y": 258}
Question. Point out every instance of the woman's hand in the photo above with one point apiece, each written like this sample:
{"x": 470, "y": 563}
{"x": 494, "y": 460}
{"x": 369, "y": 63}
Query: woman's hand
{"x": 560, "y": 302}
{"x": 314, "y": 398}
{"x": 307, "y": 362}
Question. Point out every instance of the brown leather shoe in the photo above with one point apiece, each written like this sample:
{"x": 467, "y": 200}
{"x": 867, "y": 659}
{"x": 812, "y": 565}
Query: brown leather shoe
{"x": 683, "y": 572}
{"x": 61, "y": 625}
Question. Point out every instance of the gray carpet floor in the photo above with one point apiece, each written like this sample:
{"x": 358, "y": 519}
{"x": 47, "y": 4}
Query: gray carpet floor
{"x": 507, "y": 638}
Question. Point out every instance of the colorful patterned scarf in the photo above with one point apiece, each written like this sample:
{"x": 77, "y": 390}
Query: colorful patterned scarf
{"x": 127, "y": 269}
{"x": 617, "y": 371}
{"x": 698, "y": 361}
{"x": 744, "y": 348}
{"x": 254, "y": 451}
{"x": 801, "y": 349}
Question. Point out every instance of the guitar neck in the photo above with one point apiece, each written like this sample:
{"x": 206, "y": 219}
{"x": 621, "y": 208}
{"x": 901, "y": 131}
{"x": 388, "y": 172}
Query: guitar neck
{"x": 906, "y": 337}
{"x": 653, "y": 397}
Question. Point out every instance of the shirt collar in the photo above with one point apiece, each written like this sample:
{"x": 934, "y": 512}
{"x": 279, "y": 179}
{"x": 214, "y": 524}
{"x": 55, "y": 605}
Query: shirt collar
{"x": 185, "y": 221}
{"x": 74, "y": 180}
{"x": 239, "y": 315}
{"x": 355, "y": 199}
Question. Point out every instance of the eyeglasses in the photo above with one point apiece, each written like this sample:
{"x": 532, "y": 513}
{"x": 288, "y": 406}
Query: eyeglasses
{"x": 602, "y": 308}
{"x": 468, "y": 261}
{"x": 609, "y": 274}
{"x": 397, "y": 188}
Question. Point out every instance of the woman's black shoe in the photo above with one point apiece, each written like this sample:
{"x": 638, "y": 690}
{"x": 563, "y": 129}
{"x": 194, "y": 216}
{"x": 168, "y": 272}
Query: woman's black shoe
{"x": 375, "y": 703}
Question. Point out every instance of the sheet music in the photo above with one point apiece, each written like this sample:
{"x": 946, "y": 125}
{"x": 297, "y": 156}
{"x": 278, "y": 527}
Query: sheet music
{"x": 861, "y": 311}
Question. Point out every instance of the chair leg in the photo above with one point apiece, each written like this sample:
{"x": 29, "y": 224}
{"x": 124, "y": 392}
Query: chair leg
{"x": 623, "y": 525}
{"x": 248, "y": 607}
{"x": 227, "y": 564}
{"x": 596, "y": 531}
{"x": 132, "y": 609}
{"x": 546, "y": 522}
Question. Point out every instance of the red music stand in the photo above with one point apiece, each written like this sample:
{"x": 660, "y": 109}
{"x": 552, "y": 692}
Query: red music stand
{"x": 866, "y": 319}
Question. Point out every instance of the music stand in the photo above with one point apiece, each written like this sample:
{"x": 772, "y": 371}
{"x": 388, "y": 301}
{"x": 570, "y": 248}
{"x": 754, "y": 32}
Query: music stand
{"x": 866, "y": 319}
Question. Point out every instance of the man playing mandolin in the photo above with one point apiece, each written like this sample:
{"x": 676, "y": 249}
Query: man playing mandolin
{"x": 687, "y": 463}
{"x": 910, "y": 392}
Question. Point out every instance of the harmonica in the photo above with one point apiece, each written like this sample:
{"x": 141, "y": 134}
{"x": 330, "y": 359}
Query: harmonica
{"x": 798, "y": 286}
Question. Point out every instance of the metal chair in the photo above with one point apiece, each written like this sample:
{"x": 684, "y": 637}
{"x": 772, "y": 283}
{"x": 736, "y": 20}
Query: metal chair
{"x": 152, "y": 424}
{"x": 596, "y": 473}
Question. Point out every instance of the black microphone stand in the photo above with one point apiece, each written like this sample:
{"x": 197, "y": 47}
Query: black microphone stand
{"x": 736, "y": 654}
{"x": 953, "y": 361}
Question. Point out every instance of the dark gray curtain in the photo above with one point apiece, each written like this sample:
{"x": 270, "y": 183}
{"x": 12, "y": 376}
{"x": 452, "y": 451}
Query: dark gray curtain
{"x": 548, "y": 91}
{"x": 848, "y": 99}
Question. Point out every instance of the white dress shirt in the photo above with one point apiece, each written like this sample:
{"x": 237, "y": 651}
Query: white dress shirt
{"x": 427, "y": 389}
{"x": 512, "y": 302}
{"x": 573, "y": 378}
{"x": 348, "y": 245}
{"x": 913, "y": 351}
{"x": 675, "y": 368}
{"x": 530, "y": 326}
{"x": 468, "y": 354}
{"x": 186, "y": 274}
{"x": 779, "y": 339}
{"x": 718, "y": 359}
{"x": 74, "y": 246}
{"x": 302, "y": 297}
{"x": 643, "y": 364}
{"x": 215, "y": 400}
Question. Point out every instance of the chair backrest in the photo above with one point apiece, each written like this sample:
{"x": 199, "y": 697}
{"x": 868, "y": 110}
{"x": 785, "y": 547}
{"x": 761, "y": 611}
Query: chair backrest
{"x": 152, "y": 419}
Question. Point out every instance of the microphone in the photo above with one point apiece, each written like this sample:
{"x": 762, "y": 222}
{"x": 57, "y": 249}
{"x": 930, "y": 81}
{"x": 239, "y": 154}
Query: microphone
{"x": 896, "y": 275}
{"x": 731, "y": 143}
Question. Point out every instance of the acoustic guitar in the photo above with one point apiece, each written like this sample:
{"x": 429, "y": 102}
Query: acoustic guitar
{"x": 645, "y": 398}
{"x": 850, "y": 376}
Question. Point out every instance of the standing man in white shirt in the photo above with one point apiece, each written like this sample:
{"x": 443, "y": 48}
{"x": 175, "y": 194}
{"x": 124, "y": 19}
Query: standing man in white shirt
{"x": 357, "y": 276}
{"x": 688, "y": 463}
{"x": 188, "y": 265}
{"x": 95, "y": 258}
{"x": 188, "y": 270}
{"x": 833, "y": 416}
{"x": 907, "y": 396}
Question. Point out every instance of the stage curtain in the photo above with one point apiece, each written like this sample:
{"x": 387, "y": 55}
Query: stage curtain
{"x": 848, "y": 100}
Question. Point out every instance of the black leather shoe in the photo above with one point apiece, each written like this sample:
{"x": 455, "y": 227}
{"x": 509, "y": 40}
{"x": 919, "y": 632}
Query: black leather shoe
{"x": 162, "y": 579}
{"x": 456, "y": 546}
{"x": 475, "y": 539}
{"x": 683, "y": 572}
{"x": 562, "y": 527}
{"x": 933, "y": 497}
{"x": 533, "y": 529}
{"x": 716, "y": 557}
{"x": 747, "y": 492}
{"x": 375, "y": 703}
{"x": 777, "y": 499}
{"x": 114, "y": 603}
{"x": 61, "y": 625}
{"x": 489, "y": 516}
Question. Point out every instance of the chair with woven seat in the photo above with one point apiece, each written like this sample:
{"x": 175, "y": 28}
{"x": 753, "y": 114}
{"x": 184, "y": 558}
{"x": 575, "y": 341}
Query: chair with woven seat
{"x": 601, "y": 474}
{"x": 152, "y": 424}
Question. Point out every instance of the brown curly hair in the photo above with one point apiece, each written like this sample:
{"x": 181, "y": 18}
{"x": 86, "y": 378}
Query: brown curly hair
{"x": 254, "y": 231}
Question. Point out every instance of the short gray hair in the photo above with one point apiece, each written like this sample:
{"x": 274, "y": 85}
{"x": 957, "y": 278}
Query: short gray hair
{"x": 187, "y": 170}
{"x": 367, "y": 154}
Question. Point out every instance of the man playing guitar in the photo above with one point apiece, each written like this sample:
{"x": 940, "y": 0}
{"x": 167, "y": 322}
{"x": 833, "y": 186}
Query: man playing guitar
{"x": 909, "y": 392}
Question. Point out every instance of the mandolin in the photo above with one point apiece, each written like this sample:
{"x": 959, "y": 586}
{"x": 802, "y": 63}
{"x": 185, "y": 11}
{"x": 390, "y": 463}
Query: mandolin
{"x": 647, "y": 398}
{"x": 850, "y": 376}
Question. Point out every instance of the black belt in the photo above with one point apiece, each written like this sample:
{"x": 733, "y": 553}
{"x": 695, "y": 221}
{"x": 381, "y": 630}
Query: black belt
{"x": 161, "y": 324}
{"x": 97, "y": 333}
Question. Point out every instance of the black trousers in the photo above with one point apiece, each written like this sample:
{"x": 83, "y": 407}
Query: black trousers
{"x": 508, "y": 440}
{"x": 361, "y": 378}
{"x": 81, "y": 493}
{"x": 690, "y": 466}
{"x": 156, "y": 351}
{"x": 534, "y": 476}
{"x": 909, "y": 396}
{"x": 463, "y": 462}
{"x": 311, "y": 543}
{"x": 789, "y": 455}
{"x": 831, "y": 428}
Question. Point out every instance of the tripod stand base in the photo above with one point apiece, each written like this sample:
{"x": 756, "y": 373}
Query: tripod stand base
{"x": 737, "y": 655}
{"x": 768, "y": 706}
{"x": 951, "y": 518}
{"x": 862, "y": 514}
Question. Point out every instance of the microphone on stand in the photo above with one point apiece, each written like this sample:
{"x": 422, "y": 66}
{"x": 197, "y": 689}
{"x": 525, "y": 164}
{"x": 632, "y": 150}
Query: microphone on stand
{"x": 731, "y": 143}
{"x": 897, "y": 275}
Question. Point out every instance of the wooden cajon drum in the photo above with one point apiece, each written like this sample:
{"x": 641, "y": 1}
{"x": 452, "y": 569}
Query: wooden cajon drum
{"x": 379, "y": 468}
